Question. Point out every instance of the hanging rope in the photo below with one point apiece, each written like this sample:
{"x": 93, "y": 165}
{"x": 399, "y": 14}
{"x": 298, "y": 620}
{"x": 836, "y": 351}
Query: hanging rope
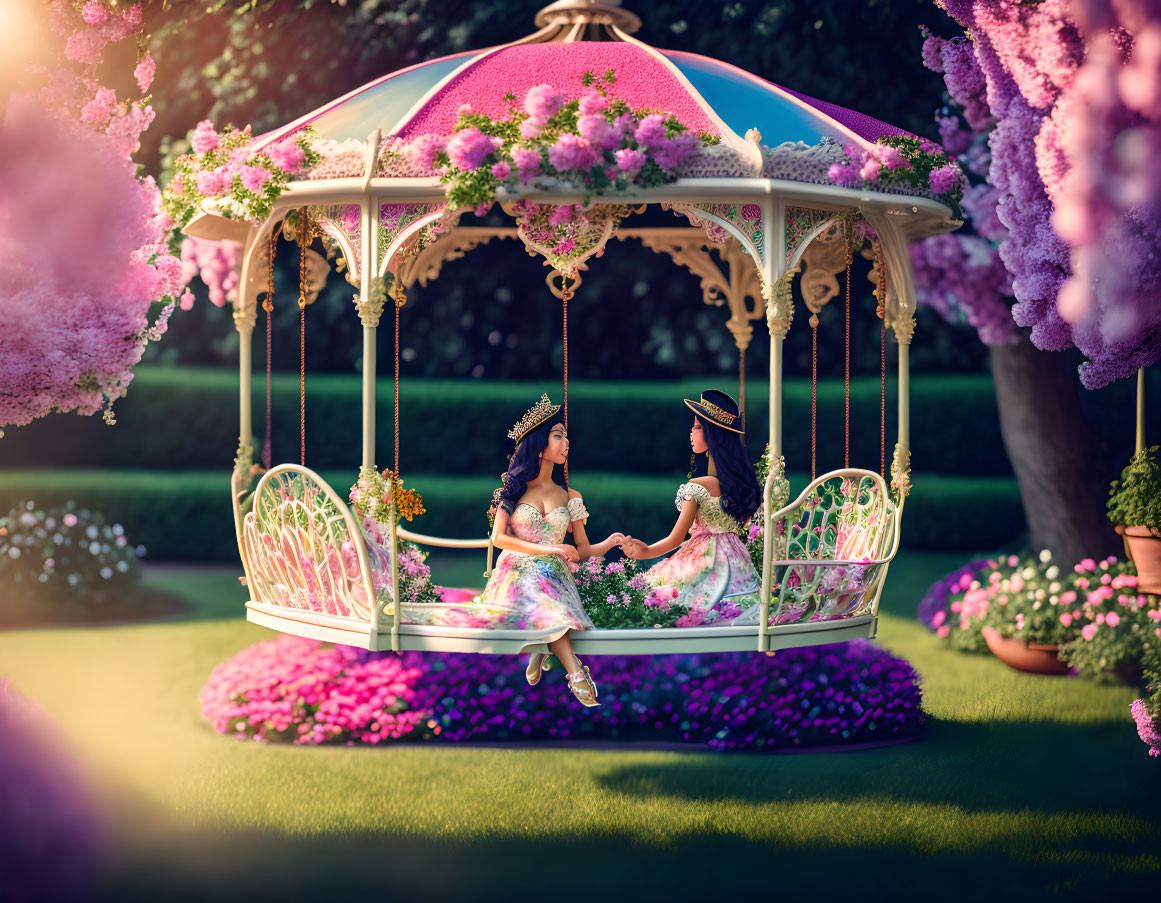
{"x": 742, "y": 386}
{"x": 881, "y": 313}
{"x": 565, "y": 295}
{"x": 847, "y": 237}
{"x": 400, "y": 300}
{"x": 268, "y": 306}
{"x": 303, "y": 244}
{"x": 813, "y": 394}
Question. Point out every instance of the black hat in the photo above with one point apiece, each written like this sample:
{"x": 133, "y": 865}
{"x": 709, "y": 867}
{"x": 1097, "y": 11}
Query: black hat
{"x": 716, "y": 407}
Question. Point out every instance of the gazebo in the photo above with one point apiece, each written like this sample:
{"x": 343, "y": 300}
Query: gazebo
{"x": 760, "y": 204}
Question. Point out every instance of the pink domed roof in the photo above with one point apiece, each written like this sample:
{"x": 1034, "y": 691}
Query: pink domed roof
{"x": 706, "y": 95}
{"x": 644, "y": 81}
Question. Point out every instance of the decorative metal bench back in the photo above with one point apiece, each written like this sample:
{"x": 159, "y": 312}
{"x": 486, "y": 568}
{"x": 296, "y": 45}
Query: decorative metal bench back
{"x": 304, "y": 548}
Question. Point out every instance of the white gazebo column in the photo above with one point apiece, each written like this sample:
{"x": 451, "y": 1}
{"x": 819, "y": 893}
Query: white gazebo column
{"x": 779, "y": 311}
{"x": 369, "y": 316}
{"x": 245, "y": 315}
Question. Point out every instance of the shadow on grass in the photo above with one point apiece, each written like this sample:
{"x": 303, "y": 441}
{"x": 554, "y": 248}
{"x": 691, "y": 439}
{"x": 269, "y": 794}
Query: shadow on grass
{"x": 998, "y": 810}
{"x": 717, "y": 860}
{"x": 995, "y": 766}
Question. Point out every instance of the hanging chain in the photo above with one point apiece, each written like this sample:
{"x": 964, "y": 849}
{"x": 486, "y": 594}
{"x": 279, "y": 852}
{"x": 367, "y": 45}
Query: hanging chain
{"x": 400, "y": 300}
{"x": 881, "y": 313}
{"x": 304, "y": 236}
{"x": 848, "y": 237}
{"x": 268, "y": 306}
{"x": 565, "y": 295}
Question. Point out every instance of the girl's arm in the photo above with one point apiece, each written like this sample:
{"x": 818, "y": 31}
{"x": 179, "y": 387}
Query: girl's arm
{"x": 502, "y": 539}
{"x": 635, "y": 548}
{"x": 580, "y": 538}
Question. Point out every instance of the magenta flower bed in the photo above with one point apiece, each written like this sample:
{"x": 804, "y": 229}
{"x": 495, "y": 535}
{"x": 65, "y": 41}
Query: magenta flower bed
{"x": 294, "y": 690}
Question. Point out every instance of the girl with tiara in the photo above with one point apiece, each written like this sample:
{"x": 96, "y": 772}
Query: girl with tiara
{"x": 531, "y": 582}
{"x": 531, "y": 587}
{"x": 711, "y": 575}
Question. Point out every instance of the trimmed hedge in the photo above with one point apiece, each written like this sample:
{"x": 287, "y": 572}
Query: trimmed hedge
{"x": 186, "y": 418}
{"x": 185, "y": 515}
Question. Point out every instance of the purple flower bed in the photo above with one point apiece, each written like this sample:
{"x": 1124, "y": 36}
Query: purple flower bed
{"x": 52, "y": 846}
{"x": 295, "y": 690}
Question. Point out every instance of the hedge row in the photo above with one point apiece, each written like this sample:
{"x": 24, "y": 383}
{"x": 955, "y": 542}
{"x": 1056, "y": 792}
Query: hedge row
{"x": 185, "y": 515}
{"x": 177, "y": 419}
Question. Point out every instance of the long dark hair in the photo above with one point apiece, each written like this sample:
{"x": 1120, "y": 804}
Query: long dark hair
{"x": 741, "y": 495}
{"x": 523, "y": 465}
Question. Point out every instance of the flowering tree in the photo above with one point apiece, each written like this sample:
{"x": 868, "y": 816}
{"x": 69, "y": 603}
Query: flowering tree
{"x": 1071, "y": 89}
{"x": 83, "y": 260}
{"x": 1063, "y": 224}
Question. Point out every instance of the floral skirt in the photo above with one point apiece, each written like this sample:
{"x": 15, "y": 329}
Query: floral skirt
{"x": 534, "y": 593}
{"x": 711, "y": 575}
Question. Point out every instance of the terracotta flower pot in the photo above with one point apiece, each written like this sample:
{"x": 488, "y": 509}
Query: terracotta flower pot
{"x": 1034, "y": 658}
{"x": 1145, "y": 550}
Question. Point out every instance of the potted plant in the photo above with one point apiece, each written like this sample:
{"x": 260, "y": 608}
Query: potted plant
{"x": 1019, "y": 608}
{"x": 1134, "y": 507}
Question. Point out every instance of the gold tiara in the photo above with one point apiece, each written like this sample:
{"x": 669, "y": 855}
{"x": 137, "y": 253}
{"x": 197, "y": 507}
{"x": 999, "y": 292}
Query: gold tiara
{"x": 535, "y": 416}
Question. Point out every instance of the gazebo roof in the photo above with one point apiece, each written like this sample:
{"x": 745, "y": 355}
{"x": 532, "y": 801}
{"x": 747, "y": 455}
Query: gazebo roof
{"x": 705, "y": 94}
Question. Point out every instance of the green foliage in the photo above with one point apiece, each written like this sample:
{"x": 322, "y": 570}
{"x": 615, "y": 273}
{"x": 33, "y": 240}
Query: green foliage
{"x": 1135, "y": 498}
{"x": 1151, "y": 675}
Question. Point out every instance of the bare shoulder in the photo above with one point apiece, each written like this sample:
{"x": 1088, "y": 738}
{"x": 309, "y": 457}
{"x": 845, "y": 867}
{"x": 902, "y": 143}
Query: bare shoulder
{"x": 708, "y": 482}
{"x": 573, "y": 494}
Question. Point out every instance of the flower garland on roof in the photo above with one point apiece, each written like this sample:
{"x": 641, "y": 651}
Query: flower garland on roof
{"x": 226, "y": 175}
{"x": 902, "y": 160}
{"x": 596, "y": 143}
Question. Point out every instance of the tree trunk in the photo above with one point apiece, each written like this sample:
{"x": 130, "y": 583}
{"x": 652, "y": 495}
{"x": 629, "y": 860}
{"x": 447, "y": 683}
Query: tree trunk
{"x": 1052, "y": 452}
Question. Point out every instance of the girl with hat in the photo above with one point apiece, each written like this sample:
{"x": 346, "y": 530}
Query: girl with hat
{"x": 711, "y": 575}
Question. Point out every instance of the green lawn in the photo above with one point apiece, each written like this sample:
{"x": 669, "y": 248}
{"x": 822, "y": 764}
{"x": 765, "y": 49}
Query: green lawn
{"x": 1029, "y": 785}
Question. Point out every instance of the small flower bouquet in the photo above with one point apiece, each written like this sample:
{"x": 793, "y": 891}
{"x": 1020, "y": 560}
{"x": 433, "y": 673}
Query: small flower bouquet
{"x": 614, "y": 595}
{"x": 371, "y": 498}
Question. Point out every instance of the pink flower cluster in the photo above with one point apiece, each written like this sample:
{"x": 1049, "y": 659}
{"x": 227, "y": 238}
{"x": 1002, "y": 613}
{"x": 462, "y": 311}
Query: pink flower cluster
{"x": 81, "y": 266}
{"x": 295, "y": 689}
{"x": 1147, "y": 729}
{"x": 217, "y": 263}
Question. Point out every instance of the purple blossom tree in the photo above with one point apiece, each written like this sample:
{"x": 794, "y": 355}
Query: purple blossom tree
{"x": 1047, "y": 213}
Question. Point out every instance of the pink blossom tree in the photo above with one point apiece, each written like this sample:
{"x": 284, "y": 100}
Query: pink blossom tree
{"x": 84, "y": 255}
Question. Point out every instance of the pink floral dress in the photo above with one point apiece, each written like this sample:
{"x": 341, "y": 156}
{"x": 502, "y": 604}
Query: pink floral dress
{"x": 711, "y": 574}
{"x": 535, "y": 593}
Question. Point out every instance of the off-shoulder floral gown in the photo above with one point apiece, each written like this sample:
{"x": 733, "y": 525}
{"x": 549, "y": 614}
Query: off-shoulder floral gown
{"x": 711, "y": 574}
{"x": 534, "y": 593}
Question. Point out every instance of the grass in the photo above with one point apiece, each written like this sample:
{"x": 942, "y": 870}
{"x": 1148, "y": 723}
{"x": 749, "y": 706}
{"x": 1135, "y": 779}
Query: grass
{"x": 1026, "y": 784}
